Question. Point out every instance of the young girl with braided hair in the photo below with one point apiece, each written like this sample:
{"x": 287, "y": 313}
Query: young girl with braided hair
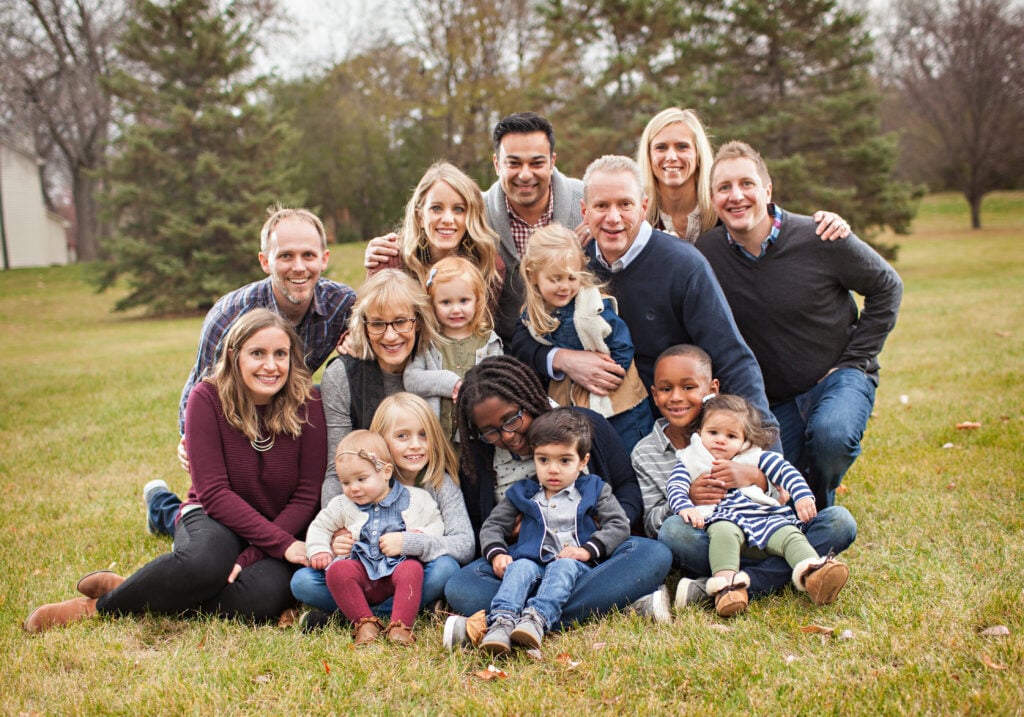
{"x": 499, "y": 399}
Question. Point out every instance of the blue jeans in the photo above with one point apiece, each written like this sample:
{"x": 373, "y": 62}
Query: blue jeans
{"x": 822, "y": 429}
{"x": 310, "y": 586}
{"x": 632, "y": 425}
{"x": 161, "y": 511}
{"x": 832, "y": 529}
{"x": 636, "y": 568}
{"x": 556, "y": 581}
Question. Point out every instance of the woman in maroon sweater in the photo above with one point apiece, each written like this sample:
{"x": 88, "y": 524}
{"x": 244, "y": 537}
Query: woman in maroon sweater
{"x": 258, "y": 442}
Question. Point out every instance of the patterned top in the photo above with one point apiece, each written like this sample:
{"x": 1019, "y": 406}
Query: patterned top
{"x": 319, "y": 330}
{"x": 757, "y": 521}
{"x": 522, "y": 229}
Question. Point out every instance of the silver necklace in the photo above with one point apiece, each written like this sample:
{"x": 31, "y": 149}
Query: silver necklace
{"x": 263, "y": 444}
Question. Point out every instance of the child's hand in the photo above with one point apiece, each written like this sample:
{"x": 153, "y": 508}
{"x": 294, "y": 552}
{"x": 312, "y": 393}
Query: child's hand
{"x": 499, "y": 564}
{"x": 320, "y": 561}
{"x": 391, "y": 544}
{"x": 806, "y": 509}
{"x": 692, "y": 516}
{"x": 455, "y": 391}
{"x": 183, "y": 454}
{"x": 576, "y": 553}
{"x": 342, "y": 542}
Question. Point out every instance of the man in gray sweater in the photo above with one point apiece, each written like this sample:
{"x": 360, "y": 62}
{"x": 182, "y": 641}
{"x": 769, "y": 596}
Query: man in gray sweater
{"x": 530, "y": 193}
{"x": 790, "y": 294}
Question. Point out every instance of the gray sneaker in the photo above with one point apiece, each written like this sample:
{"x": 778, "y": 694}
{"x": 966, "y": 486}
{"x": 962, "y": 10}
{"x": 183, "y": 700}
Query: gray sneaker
{"x": 459, "y": 630}
{"x": 147, "y": 493}
{"x": 655, "y": 606}
{"x": 529, "y": 629}
{"x": 692, "y": 592}
{"x": 498, "y": 639}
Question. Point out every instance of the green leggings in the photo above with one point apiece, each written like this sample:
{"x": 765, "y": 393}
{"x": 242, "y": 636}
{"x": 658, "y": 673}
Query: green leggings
{"x": 728, "y": 543}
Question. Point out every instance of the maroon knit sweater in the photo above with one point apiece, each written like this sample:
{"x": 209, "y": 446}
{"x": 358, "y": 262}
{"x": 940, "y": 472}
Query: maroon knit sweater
{"x": 267, "y": 499}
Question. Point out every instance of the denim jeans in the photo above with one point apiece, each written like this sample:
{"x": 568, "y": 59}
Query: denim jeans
{"x": 822, "y": 429}
{"x": 636, "y": 568}
{"x": 161, "y": 511}
{"x": 310, "y": 586}
{"x": 550, "y": 585}
{"x": 832, "y": 529}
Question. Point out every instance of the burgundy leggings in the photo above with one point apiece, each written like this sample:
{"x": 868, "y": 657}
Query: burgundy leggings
{"x": 353, "y": 590}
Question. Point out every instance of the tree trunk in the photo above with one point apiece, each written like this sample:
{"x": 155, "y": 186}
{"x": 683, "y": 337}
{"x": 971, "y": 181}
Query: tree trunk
{"x": 975, "y": 202}
{"x": 87, "y": 226}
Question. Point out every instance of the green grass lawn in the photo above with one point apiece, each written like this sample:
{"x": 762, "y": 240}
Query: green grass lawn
{"x": 89, "y": 415}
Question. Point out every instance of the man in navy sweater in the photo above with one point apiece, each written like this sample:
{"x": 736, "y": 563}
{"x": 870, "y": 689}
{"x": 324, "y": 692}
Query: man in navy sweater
{"x": 790, "y": 294}
{"x": 666, "y": 292}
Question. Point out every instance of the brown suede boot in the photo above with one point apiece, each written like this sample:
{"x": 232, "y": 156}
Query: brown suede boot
{"x": 399, "y": 633}
{"x": 99, "y": 583}
{"x": 730, "y": 595}
{"x": 366, "y": 630}
{"x": 60, "y": 613}
{"x": 821, "y": 579}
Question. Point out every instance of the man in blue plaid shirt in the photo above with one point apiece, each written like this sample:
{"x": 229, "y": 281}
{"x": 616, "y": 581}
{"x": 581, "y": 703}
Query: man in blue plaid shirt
{"x": 293, "y": 253}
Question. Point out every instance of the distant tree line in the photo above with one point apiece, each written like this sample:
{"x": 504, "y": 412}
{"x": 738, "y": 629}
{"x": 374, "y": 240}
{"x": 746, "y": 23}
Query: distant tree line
{"x": 153, "y": 109}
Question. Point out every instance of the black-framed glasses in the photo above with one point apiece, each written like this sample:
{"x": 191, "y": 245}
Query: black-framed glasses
{"x": 493, "y": 435}
{"x": 402, "y": 326}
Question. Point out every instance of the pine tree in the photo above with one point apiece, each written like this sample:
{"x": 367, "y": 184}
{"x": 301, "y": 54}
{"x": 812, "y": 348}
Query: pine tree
{"x": 791, "y": 78}
{"x": 200, "y": 160}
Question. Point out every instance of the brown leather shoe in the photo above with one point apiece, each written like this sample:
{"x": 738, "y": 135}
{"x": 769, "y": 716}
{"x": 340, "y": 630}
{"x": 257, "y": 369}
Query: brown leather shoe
{"x": 59, "y": 613}
{"x": 99, "y": 583}
{"x": 366, "y": 630}
{"x": 399, "y": 633}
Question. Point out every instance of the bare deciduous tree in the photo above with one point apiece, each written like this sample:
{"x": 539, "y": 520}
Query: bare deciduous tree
{"x": 959, "y": 66}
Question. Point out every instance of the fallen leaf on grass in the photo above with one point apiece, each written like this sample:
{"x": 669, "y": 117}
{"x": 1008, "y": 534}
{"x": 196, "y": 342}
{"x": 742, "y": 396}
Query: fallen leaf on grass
{"x": 818, "y": 629}
{"x": 720, "y": 627}
{"x": 1004, "y": 334}
{"x": 491, "y": 673}
{"x": 996, "y": 631}
{"x": 535, "y": 654}
{"x": 842, "y": 489}
{"x": 566, "y": 660}
{"x": 987, "y": 661}
{"x": 790, "y": 659}
{"x": 846, "y": 635}
{"x": 967, "y": 425}
{"x": 261, "y": 679}
{"x": 327, "y": 668}
{"x": 951, "y": 486}
{"x": 288, "y": 618}
{"x": 202, "y": 641}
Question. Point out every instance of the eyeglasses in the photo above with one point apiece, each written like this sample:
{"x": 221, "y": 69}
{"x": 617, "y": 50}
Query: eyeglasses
{"x": 402, "y": 326}
{"x": 493, "y": 435}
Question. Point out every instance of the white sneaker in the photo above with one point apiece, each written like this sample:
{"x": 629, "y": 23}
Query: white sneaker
{"x": 692, "y": 592}
{"x": 654, "y": 606}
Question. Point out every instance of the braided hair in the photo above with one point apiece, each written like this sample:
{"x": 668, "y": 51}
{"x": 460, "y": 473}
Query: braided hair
{"x": 503, "y": 377}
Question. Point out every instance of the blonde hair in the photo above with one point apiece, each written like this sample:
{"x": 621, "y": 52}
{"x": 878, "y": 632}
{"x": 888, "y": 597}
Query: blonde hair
{"x": 550, "y": 248}
{"x": 380, "y": 294}
{"x": 441, "y": 458}
{"x": 701, "y": 173}
{"x": 479, "y": 244}
{"x": 456, "y": 267}
{"x": 285, "y": 413}
{"x": 367, "y": 445}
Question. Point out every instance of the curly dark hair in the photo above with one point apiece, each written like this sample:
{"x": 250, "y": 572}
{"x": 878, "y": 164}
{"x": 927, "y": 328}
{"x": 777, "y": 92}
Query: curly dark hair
{"x": 750, "y": 418}
{"x": 503, "y": 377}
